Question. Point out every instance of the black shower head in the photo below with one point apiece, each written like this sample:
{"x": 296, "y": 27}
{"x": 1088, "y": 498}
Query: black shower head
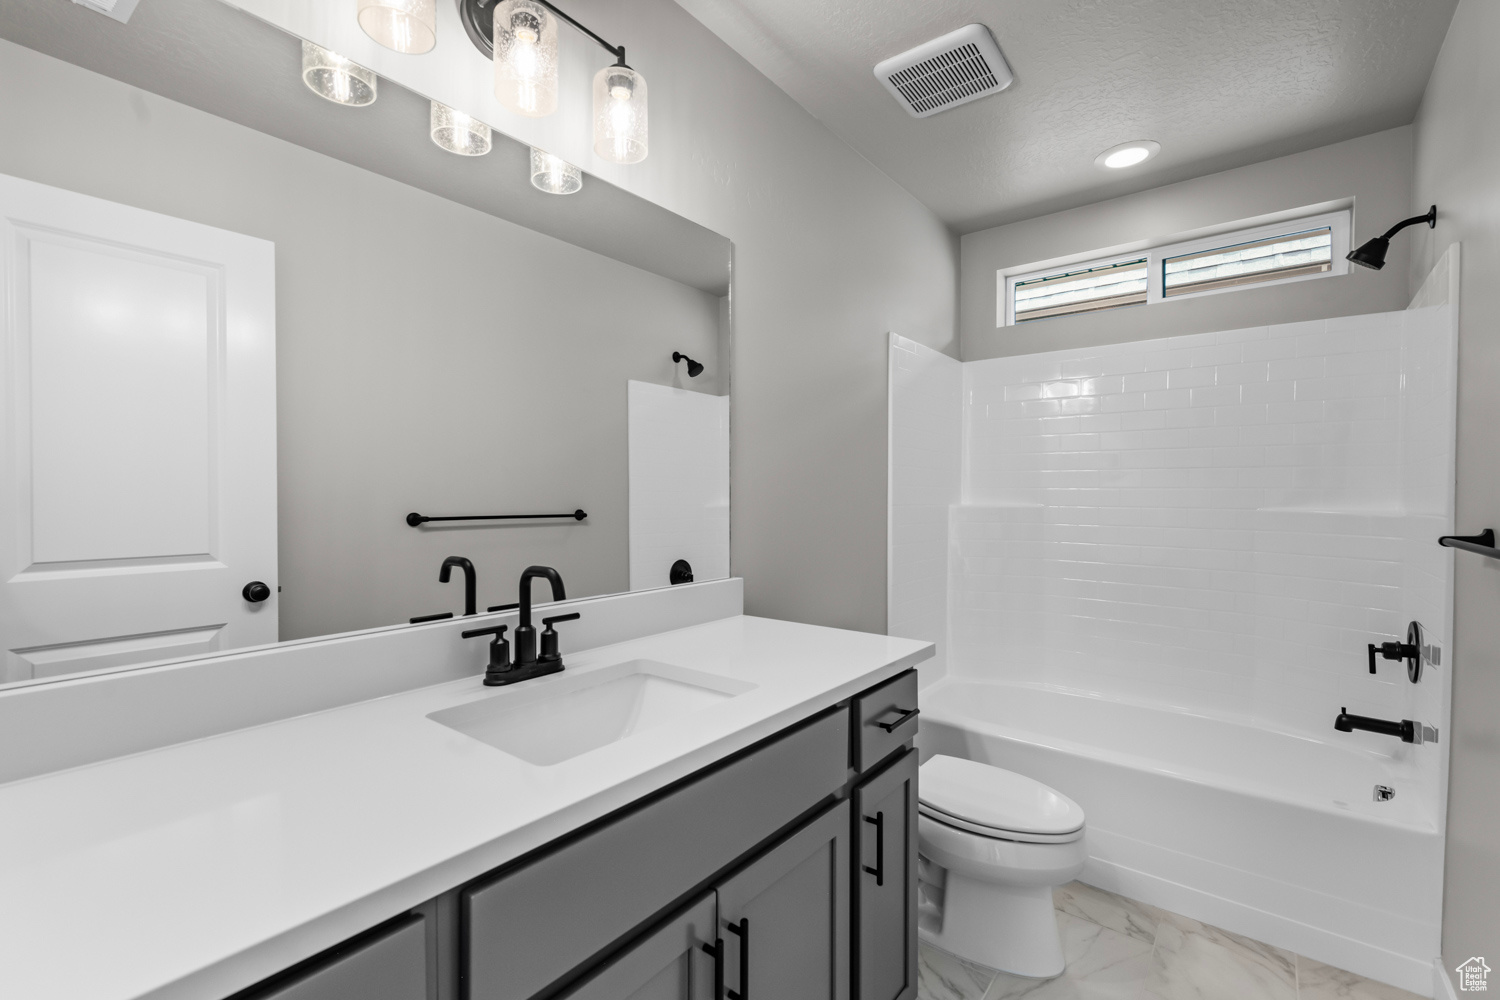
{"x": 1372, "y": 253}
{"x": 694, "y": 368}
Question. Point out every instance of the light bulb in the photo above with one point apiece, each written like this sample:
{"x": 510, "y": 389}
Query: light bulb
{"x": 335, "y": 78}
{"x": 525, "y": 58}
{"x": 457, "y": 132}
{"x": 408, "y": 26}
{"x": 553, "y": 174}
{"x": 620, "y": 132}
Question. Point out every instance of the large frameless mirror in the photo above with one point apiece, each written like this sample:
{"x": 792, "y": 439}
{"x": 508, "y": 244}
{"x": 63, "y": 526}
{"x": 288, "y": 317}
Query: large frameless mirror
{"x": 282, "y": 338}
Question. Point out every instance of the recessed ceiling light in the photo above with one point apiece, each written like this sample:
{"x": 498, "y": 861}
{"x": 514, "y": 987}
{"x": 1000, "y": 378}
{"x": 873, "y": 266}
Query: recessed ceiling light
{"x": 1127, "y": 154}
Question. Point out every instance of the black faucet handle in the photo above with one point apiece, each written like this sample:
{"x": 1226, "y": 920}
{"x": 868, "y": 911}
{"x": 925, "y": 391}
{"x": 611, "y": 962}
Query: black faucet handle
{"x": 495, "y": 630}
{"x": 1393, "y": 651}
{"x": 549, "y": 653}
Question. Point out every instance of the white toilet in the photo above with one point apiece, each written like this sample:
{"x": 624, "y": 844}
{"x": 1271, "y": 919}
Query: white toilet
{"x": 993, "y": 843}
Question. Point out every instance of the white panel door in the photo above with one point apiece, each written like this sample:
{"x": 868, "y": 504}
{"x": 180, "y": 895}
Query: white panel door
{"x": 138, "y": 422}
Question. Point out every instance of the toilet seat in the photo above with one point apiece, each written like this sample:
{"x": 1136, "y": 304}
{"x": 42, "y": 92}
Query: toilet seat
{"x": 991, "y": 802}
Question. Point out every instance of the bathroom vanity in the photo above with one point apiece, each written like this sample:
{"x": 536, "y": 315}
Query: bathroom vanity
{"x": 785, "y": 870}
{"x": 726, "y": 810}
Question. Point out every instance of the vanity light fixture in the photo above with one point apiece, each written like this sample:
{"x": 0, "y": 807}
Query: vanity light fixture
{"x": 334, "y": 78}
{"x": 521, "y": 37}
{"x": 407, "y": 26}
{"x": 620, "y": 114}
{"x": 458, "y": 132}
{"x": 1127, "y": 154}
{"x": 553, "y": 174}
{"x": 525, "y": 52}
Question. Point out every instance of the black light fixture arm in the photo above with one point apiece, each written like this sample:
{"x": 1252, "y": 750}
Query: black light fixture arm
{"x": 1430, "y": 217}
{"x": 618, "y": 51}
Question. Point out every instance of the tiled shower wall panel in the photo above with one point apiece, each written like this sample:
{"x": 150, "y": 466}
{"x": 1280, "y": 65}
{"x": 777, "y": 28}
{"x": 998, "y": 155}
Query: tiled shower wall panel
{"x": 679, "y": 483}
{"x": 1218, "y": 522}
{"x": 925, "y": 462}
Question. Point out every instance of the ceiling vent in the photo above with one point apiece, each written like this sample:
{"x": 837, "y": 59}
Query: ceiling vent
{"x": 959, "y": 67}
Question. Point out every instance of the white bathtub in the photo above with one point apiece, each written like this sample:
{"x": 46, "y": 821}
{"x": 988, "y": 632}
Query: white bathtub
{"x": 1268, "y": 834}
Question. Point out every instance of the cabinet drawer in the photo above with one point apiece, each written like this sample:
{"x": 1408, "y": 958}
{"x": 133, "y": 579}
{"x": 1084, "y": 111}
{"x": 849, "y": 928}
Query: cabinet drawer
{"x": 876, "y": 713}
{"x": 384, "y": 966}
{"x": 529, "y": 927}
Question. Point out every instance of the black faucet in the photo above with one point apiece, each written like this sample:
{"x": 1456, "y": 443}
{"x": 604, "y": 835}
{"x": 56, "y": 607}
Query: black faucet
{"x": 525, "y": 631}
{"x": 470, "y": 601}
{"x": 1407, "y": 730}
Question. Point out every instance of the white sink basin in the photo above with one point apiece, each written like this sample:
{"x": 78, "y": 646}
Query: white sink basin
{"x": 566, "y": 715}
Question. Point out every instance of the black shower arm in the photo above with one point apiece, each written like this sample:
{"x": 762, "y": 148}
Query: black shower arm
{"x": 1430, "y": 218}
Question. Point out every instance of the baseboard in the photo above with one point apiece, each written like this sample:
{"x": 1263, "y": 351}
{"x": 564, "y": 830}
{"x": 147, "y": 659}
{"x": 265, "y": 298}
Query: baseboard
{"x": 1358, "y": 957}
{"x": 1442, "y": 983}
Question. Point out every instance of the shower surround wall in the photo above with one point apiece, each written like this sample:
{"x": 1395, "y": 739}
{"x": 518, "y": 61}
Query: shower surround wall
{"x": 1218, "y": 523}
{"x": 1165, "y": 560}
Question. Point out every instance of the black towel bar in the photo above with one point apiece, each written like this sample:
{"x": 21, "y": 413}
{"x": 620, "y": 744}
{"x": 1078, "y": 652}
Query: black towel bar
{"x": 416, "y": 520}
{"x": 1483, "y": 543}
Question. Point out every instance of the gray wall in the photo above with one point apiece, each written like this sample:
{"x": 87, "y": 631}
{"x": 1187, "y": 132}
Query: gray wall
{"x": 429, "y": 356}
{"x": 1458, "y": 167}
{"x": 1375, "y": 171}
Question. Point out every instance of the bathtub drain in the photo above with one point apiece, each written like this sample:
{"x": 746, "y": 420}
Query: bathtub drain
{"x": 1384, "y": 793}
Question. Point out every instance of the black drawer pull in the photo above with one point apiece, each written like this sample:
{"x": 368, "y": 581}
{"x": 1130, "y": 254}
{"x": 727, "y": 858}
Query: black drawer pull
{"x": 906, "y": 716}
{"x": 741, "y": 930}
{"x": 878, "y": 821}
{"x": 717, "y": 951}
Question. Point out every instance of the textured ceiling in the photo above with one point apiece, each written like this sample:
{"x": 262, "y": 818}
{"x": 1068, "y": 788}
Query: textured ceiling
{"x": 1219, "y": 83}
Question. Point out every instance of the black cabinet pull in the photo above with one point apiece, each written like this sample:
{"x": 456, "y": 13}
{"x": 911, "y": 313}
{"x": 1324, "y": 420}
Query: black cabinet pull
{"x": 907, "y": 714}
{"x": 741, "y": 930}
{"x": 717, "y": 951}
{"x": 878, "y": 821}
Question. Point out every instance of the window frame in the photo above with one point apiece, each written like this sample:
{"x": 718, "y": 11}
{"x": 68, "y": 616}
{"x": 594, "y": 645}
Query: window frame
{"x": 1337, "y": 222}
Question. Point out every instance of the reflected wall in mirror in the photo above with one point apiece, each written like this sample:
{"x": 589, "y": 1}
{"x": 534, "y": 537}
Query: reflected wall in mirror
{"x": 252, "y": 330}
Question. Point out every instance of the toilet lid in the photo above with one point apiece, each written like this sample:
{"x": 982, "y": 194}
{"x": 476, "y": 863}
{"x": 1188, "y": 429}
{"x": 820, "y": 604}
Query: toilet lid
{"x": 995, "y": 799}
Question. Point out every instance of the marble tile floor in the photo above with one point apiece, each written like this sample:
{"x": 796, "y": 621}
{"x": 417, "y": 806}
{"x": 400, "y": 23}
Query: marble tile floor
{"x": 1119, "y": 949}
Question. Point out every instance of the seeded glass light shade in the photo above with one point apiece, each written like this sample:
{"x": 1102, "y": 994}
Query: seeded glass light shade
{"x": 457, "y": 132}
{"x": 526, "y": 58}
{"x": 335, "y": 78}
{"x": 620, "y": 114}
{"x": 408, "y": 26}
{"x": 553, "y": 174}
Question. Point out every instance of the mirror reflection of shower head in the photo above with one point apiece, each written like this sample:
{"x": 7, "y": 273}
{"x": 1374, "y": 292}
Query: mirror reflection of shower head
{"x": 694, "y": 368}
{"x": 1372, "y": 254}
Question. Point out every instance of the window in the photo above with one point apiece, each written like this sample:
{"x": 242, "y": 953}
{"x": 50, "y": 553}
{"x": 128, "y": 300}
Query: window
{"x": 1288, "y": 251}
{"x": 1100, "y": 287}
{"x": 1247, "y": 263}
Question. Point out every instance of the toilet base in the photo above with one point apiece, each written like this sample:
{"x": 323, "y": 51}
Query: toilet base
{"x": 1009, "y": 928}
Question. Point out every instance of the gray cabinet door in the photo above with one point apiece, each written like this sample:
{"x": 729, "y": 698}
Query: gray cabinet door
{"x": 784, "y": 920}
{"x": 387, "y": 966}
{"x": 674, "y": 962}
{"x": 533, "y": 925}
{"x": 885, "y": 883}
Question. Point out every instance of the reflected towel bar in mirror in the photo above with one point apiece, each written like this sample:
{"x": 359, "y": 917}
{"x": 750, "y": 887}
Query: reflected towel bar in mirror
{"x": 1483, "y": 543}
{"x": 416, "y": 520}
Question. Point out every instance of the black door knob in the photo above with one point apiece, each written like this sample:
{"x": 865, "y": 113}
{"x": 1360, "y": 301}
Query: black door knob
{"x": 255, "y": 592}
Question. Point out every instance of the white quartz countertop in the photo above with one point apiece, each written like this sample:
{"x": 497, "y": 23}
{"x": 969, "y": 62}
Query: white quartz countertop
{"x": 198, "y": 869}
